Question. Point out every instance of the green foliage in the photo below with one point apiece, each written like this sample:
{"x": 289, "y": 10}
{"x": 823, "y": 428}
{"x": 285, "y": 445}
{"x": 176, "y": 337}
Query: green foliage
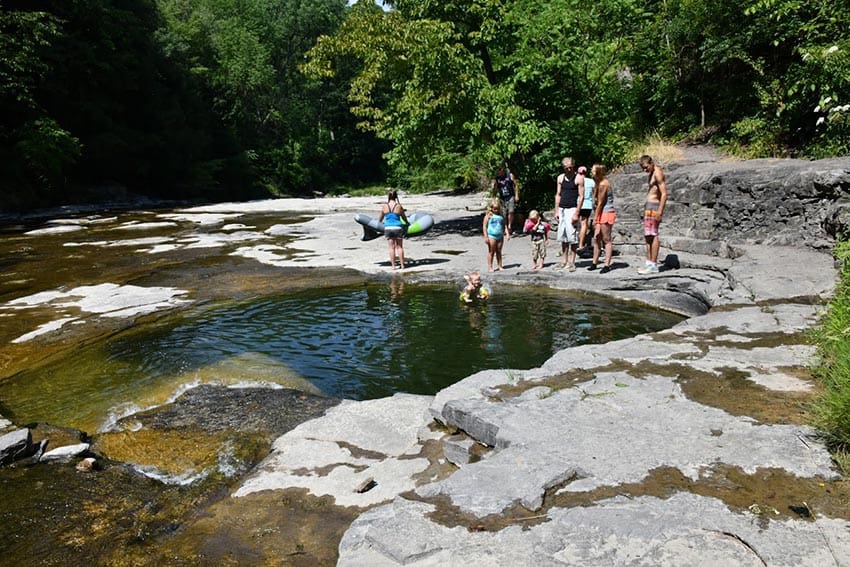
{"x": 461, "y": 87}
{"x": 47, "y": 149}
{"x": 180, "y": 97}
{"x": 832, "y": 409}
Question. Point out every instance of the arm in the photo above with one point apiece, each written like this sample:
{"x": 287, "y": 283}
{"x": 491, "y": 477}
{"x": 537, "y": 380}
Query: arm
{"x": 400, "y": 212}
{"x": 601, "y": 193}
{"x": 580, "y": 185}
{"x": 558, "y": 194}
{"x": 383, "y": 212}
{"x": 662, "y": 190}
{"x": 516, "y": 187}
{"x": 484, "y": 226}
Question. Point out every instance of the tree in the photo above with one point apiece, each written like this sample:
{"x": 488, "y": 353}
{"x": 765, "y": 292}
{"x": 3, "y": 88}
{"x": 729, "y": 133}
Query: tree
{"x": 35, "y": 151}
{"x": 468, "y": 85}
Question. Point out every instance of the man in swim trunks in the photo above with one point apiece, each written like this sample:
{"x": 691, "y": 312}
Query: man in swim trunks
{"x": 653, "y": 210}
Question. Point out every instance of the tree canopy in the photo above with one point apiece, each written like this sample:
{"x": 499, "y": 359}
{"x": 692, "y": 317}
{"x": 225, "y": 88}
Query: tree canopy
{"x": 241, "y": 98}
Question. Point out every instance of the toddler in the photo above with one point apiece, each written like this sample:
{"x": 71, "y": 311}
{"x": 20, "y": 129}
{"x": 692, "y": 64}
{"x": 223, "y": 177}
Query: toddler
{"x": 539, "y": 230}
{"x": 474, "y": 288}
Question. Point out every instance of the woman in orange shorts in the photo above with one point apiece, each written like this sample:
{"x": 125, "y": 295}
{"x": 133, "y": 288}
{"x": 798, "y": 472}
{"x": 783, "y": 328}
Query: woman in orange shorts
{"x": 605, "y": 215}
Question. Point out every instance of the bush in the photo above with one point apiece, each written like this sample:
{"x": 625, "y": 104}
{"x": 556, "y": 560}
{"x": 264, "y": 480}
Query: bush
{"x": 831, "y": 410}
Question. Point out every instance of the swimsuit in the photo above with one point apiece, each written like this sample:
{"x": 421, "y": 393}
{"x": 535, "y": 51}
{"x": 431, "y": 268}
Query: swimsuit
{"x": 650, "y": 218}
{"x": 496, "y": 227}
{"x": 608, "y": 214}
{"x": 393, "y": 227}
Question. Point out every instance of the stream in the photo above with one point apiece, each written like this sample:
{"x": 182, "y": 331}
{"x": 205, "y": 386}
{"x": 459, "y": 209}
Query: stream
{"x": 146, "y": 334}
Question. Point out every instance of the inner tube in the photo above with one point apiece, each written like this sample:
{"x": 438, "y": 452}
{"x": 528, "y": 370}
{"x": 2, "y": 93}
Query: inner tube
{"x": 418, "y": 224}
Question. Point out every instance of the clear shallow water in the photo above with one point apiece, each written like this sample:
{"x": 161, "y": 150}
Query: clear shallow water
{"x": 359, "y": 342}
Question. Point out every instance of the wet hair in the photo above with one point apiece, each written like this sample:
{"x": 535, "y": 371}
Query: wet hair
{"x": 645, "y": 159}
{"x": 392, "y": 195}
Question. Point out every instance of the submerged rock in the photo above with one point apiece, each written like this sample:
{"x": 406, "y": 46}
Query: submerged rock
{"x": 215, "y": 408}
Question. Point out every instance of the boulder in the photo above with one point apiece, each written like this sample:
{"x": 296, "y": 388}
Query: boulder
{"x": 15, "y": 445}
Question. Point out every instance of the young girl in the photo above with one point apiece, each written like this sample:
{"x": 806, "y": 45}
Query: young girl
{"x": 605, "y": 216}
{"x": 495, "y": 233}
{"x": 539, "y": 230}
{"x": 394, "y": 219}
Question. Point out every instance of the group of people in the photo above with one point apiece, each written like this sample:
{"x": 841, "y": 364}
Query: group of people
{"x": 583, "y": 204}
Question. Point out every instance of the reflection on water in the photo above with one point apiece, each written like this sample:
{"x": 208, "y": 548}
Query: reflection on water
{"x": 359, "y": 342}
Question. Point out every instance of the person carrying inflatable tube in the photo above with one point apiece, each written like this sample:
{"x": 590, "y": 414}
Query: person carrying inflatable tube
{"x": 474, "y": 289}
{"x": 395, "y": 223}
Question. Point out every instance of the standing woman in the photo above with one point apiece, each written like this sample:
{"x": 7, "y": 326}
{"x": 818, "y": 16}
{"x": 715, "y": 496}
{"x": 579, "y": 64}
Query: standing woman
{"x": 586, "y": 209}
{"x": 605, "y": 216}
{"x": 394, "y": 219}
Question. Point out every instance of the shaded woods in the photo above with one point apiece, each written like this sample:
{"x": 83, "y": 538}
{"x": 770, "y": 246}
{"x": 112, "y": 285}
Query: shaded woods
{"x": 170, "y": 99}
{"x": 238, "y": 99}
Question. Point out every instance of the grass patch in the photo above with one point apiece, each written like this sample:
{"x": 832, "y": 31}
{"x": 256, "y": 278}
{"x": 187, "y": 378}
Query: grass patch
{"x": 662, "y": 151}
{"x": 831, "y": 411}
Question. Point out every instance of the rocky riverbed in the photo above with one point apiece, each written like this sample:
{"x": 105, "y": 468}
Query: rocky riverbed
{"x": 687, "y": 446}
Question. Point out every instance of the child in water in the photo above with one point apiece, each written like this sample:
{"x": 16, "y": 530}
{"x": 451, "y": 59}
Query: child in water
{"x": 539, "y": 230}
{"x": 495, "y": 233}
{"x": 474, "y": 288}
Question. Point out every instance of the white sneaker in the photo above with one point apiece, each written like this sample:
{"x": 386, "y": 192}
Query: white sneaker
{"x": 653, "y": 269}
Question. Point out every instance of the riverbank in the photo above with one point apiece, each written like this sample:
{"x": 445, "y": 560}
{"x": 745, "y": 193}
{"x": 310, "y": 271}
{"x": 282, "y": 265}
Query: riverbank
{"x": 687, "y": 446}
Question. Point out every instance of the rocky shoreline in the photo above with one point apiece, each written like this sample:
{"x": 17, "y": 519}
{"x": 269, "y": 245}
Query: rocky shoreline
{"x": 687, "y": 446}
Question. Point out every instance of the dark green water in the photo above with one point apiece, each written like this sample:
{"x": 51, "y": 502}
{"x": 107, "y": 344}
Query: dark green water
{"x": 357, "y": 342}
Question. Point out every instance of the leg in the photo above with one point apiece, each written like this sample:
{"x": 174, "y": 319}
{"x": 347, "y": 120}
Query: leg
{"x": 653, "y": 252}
{"x": 582, "y": 233}
{"x": 606, "y": 230}
{"x": 596, "y": 238}
{"x": 400, "y": 249}
{"x": 490, "y": 252}
{"x": 499, "y": 244}
{"x": 649, "y": 240}
{"x": 391, "y": 244}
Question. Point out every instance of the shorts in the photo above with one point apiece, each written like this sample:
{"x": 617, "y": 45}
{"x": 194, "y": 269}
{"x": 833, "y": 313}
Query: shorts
{"x": 538, "y": 250}
{"x": 509, "y": 205}
{"x": 607, "y": 217}
{"x": 567, "y": 231}
{"x": 584, "y": 213}
{"x": 394, "y": 232}
{"x": 650, "y": 218}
